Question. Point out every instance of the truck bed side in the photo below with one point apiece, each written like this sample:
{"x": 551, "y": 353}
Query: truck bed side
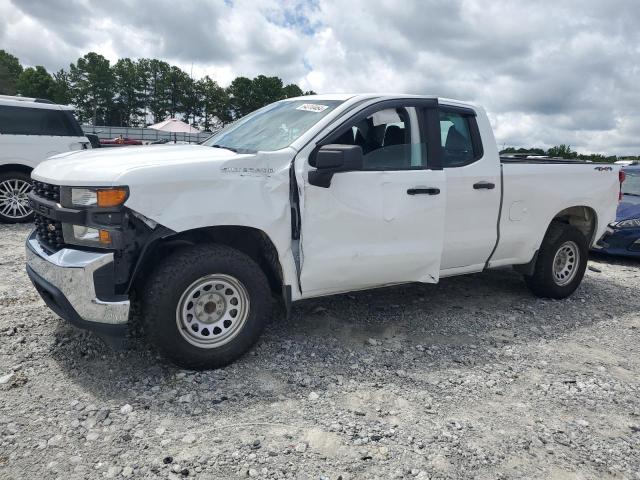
{"x": 535, "y": 192}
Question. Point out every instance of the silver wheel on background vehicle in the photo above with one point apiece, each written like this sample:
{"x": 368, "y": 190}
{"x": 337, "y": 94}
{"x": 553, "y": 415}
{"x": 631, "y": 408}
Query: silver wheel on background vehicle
{"x": 565, "y": 263}
{"x": 212, "y": 311}
{"x": 14, "y": 203}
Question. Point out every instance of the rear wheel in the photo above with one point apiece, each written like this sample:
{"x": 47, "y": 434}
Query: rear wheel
{"x": 14, "y": 204}
{"x": 206, "y": 305}
{"x": 561, "y": 263}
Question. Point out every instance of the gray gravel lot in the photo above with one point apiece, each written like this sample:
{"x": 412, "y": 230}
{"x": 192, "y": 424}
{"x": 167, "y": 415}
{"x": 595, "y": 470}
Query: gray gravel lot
{"x": 471, "y": 378}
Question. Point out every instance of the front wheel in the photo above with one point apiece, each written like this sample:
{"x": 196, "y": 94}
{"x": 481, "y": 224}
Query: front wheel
{"x": 561, "y": 263}
{"x": 14, "y": 204}
{"x": 206, "y": 305}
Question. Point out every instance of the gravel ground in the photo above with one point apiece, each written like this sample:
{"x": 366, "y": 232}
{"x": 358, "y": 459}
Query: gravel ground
{"x": 471, "y": 378}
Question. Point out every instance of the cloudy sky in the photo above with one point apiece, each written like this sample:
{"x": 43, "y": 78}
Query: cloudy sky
{"x": 548, "y": 72}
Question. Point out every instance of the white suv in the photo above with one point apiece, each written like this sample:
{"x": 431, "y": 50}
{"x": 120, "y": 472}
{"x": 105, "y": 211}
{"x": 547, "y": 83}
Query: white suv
{"x": 31, "y": 130}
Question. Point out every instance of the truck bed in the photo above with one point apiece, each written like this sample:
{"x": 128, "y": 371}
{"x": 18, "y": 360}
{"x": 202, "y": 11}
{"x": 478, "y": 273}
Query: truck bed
{"x": 546, "y": 160}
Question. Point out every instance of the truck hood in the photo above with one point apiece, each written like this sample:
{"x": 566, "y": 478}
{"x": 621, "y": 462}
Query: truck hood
{"x": 106, "y": 166}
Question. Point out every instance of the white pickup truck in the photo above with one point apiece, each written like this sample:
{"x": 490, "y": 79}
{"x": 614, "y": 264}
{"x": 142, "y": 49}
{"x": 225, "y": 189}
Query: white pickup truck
{"x": 306, "y": 197}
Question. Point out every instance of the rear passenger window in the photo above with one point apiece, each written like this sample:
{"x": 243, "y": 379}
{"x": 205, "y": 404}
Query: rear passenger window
{"x": 386, "y": 140}
{"x": 36, "y": 121}
{"x": 457, "y": 143}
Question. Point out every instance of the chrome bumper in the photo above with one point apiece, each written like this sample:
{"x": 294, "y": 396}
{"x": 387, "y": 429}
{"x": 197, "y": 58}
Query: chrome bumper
{"x": 69, "y": 273}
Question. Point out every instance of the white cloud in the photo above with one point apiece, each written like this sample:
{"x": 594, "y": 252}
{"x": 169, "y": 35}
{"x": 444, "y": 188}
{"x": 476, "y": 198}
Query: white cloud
{"x": 547, "y": 72}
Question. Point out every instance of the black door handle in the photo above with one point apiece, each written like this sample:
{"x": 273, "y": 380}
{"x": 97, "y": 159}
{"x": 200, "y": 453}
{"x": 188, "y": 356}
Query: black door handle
{"x": 423, "y": 191}
{"x": 484, "y": 185}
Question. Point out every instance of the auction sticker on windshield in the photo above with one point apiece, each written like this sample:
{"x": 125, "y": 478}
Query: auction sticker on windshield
{"x": 312, "y": 107}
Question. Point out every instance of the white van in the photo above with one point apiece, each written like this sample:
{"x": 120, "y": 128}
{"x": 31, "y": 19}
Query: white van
{"x": 31, "y": 130}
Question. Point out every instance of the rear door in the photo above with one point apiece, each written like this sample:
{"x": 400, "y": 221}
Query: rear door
{"x": 472, "y": 170}
{"x": 383, "y": 224}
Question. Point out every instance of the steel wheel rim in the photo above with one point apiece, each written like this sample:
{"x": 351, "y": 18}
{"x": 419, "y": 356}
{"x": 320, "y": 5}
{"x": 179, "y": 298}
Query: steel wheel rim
{"x": 14, "y": 202}
{"x": 565, "y": 263}
{"x": 212, "y": 310}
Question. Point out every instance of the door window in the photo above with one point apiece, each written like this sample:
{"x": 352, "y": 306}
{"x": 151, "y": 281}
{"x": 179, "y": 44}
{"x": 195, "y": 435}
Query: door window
{"x": 456, "y": 140}
{"x": 389, "y": 139}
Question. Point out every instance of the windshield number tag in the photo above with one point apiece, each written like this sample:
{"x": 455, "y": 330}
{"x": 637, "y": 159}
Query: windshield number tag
{"x": 312, "y": 107}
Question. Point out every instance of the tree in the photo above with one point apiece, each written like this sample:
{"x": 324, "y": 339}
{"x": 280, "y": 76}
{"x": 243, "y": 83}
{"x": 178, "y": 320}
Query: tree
{"x": 156, "y": 75}
{"x": 214, "y": 101}
{"x": 61, "y": 88}
{"x": 130, "y": 92}
{"x": 562, "y": 151}
{"x": 292, "y": 90}
{"x": 10, "y": 70}
{"x": 181, "y": 93}
{"x": 240, "y": 97}
{"x": 129, "y": 88}
{"x": 528, "y": 151}
{"x": 91, "y": 82}
{"x": 36, "y": 82}
{"x": 265, "y": 90}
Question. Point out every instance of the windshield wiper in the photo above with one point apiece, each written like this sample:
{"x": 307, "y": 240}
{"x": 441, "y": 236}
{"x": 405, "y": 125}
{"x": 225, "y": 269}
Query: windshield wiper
{"x": 629, "y": 193}
{"x": 235, "y": 150}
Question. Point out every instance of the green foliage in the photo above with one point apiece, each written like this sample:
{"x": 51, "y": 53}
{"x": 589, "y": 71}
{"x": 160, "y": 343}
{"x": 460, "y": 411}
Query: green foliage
{"x": 562, "y": 151}
{"x": 10, "y": 70}
{"x": 92, "y": 88}
{"x": 36, "y": 82}
{"x": 528, "y": 151}
{"x": 214, "y": 103}
{"x": 129, "y": 94}
{"x": 61, "y": 88}
{"x": 135, "y": 92}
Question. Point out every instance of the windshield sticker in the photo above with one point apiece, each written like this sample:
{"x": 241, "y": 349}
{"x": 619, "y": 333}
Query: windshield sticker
{"x": 312, "y": 107}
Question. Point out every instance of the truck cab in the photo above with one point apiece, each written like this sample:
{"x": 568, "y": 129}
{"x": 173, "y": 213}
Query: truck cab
{"x": 306, "y": 197}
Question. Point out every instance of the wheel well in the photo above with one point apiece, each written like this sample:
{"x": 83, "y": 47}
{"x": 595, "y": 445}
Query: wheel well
{"x": 251, "y": 241}
{"x": 583, "y": 218}
{"x": 15, "y": 167}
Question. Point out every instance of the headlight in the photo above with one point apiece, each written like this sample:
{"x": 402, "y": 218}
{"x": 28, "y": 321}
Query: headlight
{"x": 88, "y": 236}
{"x": 98, "y": 197}
{"x": 631, "y": 223}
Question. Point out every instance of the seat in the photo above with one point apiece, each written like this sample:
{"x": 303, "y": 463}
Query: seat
{"x": 394, "y": 135}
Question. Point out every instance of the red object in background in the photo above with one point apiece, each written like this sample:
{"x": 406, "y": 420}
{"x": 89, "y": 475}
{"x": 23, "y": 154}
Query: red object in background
{"x": 621, "y": 176}
{"x": 120, "y": 142}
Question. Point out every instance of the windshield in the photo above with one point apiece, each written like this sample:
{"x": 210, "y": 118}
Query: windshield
{"x": 273, "y": 127}
{"x": 631, "y": 184}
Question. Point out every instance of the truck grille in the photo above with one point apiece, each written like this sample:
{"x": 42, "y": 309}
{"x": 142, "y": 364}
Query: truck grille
{"x": 46, "y": 190}
{"x": 48, "y": 232}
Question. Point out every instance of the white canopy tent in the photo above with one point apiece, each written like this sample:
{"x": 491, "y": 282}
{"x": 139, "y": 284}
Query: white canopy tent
{"x": 174, "y": 125}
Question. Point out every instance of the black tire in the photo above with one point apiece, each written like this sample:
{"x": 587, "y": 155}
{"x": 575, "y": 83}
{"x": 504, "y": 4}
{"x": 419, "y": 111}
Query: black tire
{"x": 544, "y": 282}
{"x": 173, "y": 278}
{"x": 14, "y": 217}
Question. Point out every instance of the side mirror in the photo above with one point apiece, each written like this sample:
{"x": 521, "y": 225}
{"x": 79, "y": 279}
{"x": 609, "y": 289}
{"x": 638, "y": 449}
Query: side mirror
{"x": 331, "y": 159}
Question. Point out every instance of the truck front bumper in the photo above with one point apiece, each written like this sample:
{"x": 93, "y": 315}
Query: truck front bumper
{"x": 65, "y": 281}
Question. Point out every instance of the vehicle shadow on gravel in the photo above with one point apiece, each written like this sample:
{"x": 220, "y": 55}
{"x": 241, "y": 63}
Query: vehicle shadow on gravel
{"x": 408, "y": 328}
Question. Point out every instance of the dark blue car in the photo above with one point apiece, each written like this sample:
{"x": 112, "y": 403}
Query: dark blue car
{"x": 624, "y": 239}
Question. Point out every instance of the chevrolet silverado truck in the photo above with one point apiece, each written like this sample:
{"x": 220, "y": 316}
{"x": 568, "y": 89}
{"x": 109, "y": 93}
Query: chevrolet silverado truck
{"x": 305, "y": 197}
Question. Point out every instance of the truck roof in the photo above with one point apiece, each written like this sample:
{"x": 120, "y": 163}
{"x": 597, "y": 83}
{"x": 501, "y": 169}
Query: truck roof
{"x": 368, "y": 96}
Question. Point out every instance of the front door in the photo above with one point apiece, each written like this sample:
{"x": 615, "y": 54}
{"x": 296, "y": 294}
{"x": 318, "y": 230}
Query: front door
{"x": 383, "y": 224}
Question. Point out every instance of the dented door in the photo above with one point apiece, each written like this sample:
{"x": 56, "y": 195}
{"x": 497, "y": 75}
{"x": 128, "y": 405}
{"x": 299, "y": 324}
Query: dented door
{"x": 379, "y": 226}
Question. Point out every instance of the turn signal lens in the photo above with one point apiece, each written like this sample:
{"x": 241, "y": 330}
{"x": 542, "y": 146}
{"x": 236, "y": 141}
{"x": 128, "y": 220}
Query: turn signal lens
{"x": 105, "y": 237}
{"x": 111, "y": 197}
